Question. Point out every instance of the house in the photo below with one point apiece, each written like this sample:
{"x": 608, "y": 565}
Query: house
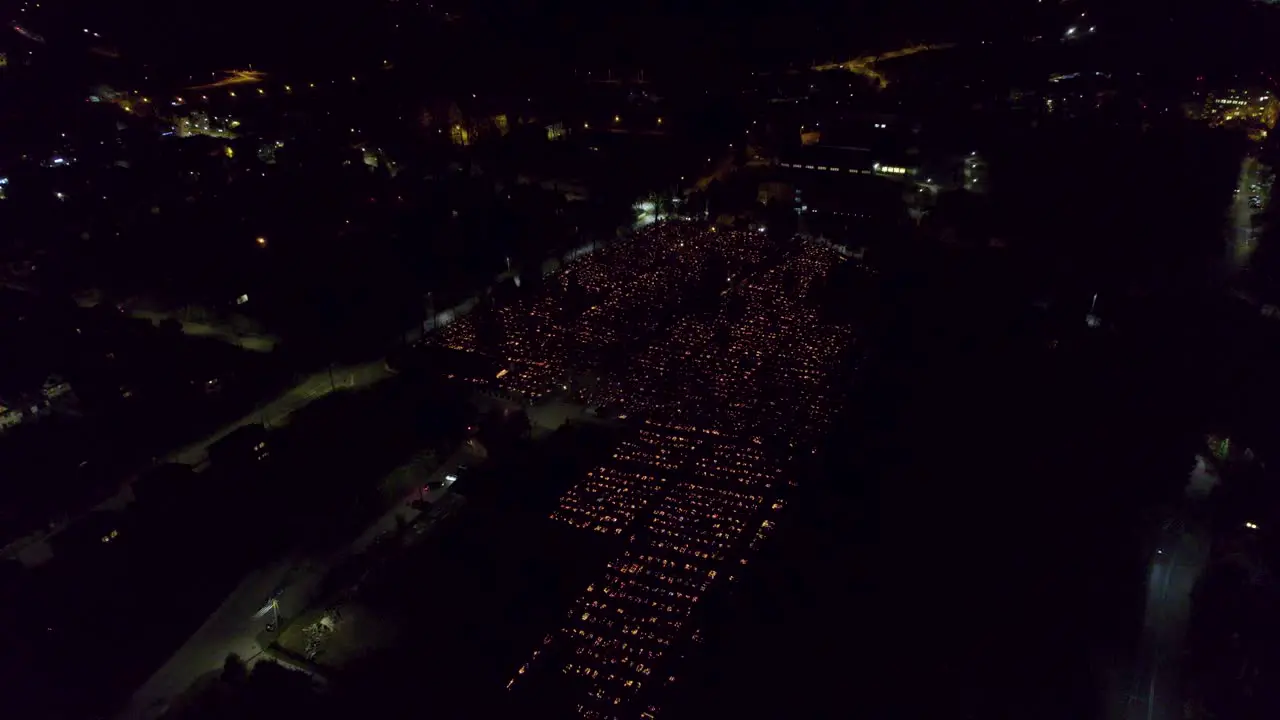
{"x": 9, "y": 416}
{"x": 55, "y": 387}
{"x": 28, "y": 406}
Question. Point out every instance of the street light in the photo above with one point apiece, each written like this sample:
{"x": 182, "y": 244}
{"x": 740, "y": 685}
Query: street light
{"x": 262, "y": 242}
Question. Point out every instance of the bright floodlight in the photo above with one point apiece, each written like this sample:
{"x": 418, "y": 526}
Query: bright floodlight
{"x": 1071, "y": 31}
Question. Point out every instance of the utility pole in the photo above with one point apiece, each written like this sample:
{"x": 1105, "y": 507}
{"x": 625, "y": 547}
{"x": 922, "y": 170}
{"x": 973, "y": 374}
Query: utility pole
{"x": 429, "y": 322}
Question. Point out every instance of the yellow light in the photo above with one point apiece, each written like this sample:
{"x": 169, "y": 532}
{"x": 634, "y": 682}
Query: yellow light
{"x": 288, "y": 89}
{"x": 659, "y": 121}
{"x": 617, "y": 118}
{"x": 262, "y": 242}
{"x": 233, "y": 93}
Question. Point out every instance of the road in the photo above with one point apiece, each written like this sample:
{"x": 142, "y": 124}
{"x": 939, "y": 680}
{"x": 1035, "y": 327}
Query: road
{"x": 234, "y": 627}
{"x": 1182, "y": 555}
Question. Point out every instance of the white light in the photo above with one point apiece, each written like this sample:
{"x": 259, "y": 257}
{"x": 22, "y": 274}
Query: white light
{"x": 1071, "y": 31}
{"x": 451, "y": 478}
{"x": 1251, "y": 526}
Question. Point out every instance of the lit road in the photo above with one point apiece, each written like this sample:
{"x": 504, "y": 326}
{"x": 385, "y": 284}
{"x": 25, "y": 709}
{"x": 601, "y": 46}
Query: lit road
{"x": 230, "y": 629}
{"x": 233, "y": 77}
{"x": 277, "y": 411}
{"x": 245, "y": 341}
{"x": 1183, "y": 552}
{"x": 235, "y": 626}
{"x": 865, "y": 65}
{"x": 1241, "y": 237}
{"x": 221, "y": 331}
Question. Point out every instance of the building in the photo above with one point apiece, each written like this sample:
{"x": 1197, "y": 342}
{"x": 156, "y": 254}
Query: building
{"x": 1253, "y": 110}
{"x": 843, "y": 194}
{"x": 846, "y": 160}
